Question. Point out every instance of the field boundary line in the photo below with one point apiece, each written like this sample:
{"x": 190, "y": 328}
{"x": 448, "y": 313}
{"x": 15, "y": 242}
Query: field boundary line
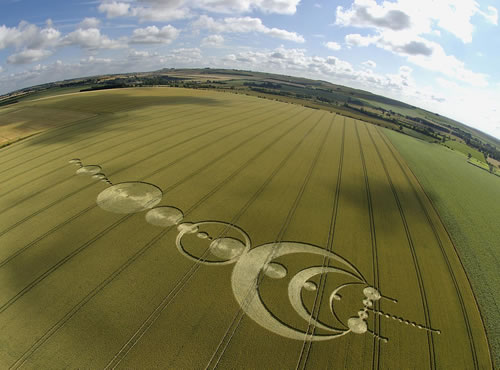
{"x": 35, "y": 282}
{"x": 118, "y": 171}
{"x": 443, "y": 252}
{"x": 240, "y": 314}
{"x": 423, "y": 296}
{"x": 318, "y": 298}
{"x": 134, "y": 257}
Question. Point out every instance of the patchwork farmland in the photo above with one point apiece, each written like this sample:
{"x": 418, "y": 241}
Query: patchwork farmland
{"x": 202, "y": 229}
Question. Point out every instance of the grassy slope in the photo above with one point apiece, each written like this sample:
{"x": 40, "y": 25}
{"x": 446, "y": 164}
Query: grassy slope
{"x": 463, "y": 148}
{"x": 467, "y": 200}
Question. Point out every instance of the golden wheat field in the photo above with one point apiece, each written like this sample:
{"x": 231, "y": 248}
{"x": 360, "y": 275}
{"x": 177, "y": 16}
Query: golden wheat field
{"x": 175, "y": 228}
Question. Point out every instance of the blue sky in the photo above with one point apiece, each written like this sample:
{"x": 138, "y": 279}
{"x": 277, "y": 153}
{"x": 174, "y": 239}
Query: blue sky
{"x": 440, "y": 55}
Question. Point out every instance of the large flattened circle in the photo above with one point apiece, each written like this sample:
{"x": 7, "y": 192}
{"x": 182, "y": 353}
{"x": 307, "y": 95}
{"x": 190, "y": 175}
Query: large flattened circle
{"x": 129, "y": 197}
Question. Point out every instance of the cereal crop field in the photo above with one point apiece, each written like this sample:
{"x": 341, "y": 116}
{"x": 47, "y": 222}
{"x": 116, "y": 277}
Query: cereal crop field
{"x": 179, "y": 228}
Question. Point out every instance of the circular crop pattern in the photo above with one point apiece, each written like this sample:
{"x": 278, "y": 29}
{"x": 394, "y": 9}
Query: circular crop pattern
{"x": 129, "y": 197}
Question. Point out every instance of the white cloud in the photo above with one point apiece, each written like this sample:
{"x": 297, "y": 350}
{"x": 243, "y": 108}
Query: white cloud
{"x": 29, "y": 36}
{"x": 135, "y": 54}
{"x": 426, "y": 54}
{"x": 244, "y": 25}
{"x": 167, "y": 10}
{"x": 183, "y": 57}
{"x": 93, "y": 60}
{"x": 28, "y": 56}
{"x": 416, "y": 17}
{"x": 355, "y": 39}
{"x": 114, "y": 9}
{"x": 244, "y": 6}
{"x": 91, "y": 38}
{"x": 369, "y": 64}
{"x": 1, "y": 69}
{"x": 212, "y": 41}
{"x": 89, "y": 22}
{"x": 492, "y": 17}
{"x": 154, "y": 35}
{"x": 160, "y": 14}
{"x": 332, "y": 45}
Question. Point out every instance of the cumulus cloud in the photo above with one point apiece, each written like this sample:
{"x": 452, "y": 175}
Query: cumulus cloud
{"x": 91, "y": 38}
{"x": 29, "y": 36}
{"x": 1, "y": 69}
{"x": 355, "y": 39}
{"x": 154, "y": 35}
{"x": 212, "y": 41}
{"x": 332, "y": 45}
{"x": 493, "y": 16}
{"x": 426, "y": 54}
{"x": 89, "y": 22}
{"x": 141, "y": 54}
{"x": 28, "y": 56}
{"x": 416, "y": 17}
{"x": 369, "y": 64}
{"x": 244, "y": 25}
{"x": 167, "y": 10}
{"x": 114, "y": 9}
{"x": 365, "y": 13}
{"x": 243, "y": 6}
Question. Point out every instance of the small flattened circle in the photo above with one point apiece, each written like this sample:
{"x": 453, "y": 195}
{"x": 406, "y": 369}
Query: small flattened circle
{"x": 275, "y": 270}
{"x": 362, "y": 314}
{"x": 88, "y": 170}
{"x": 164, "y": 216}
{"x": 129, "y": 197}
{"x": 227, "y": 248}
{"x": 371, "y": 293}
{"x": 357, "y": 325}
{"x": 367, "y": 303}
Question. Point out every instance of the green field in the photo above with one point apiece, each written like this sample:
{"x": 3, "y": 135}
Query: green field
{"x": 275, "y": 230}
{"x": 467, "y": 200}
{"x": 465, "y": 149}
